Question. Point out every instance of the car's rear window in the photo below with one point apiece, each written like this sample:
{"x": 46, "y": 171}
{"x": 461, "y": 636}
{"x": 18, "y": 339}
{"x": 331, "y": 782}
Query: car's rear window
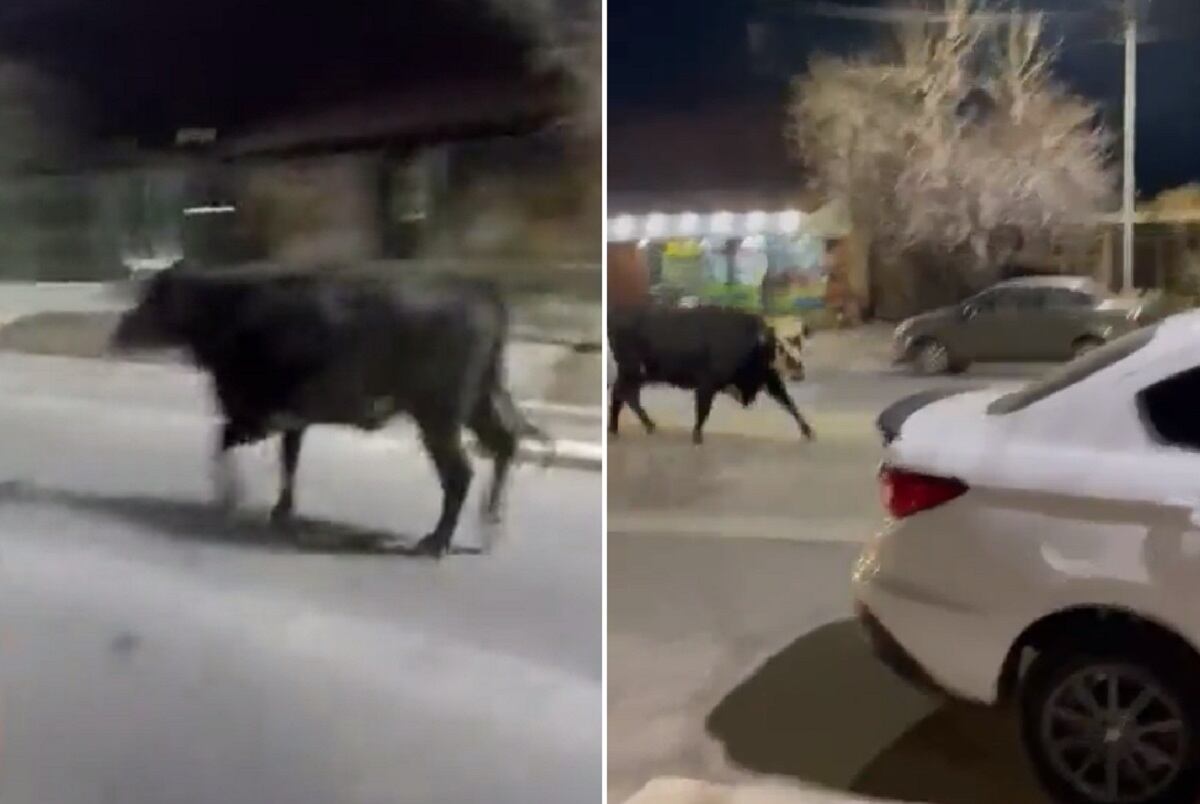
{"x": 1077, "y": 370}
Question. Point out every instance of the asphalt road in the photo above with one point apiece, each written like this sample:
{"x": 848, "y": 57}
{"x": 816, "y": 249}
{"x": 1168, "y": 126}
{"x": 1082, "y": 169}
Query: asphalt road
{"x": 154, "y": 651}
{"x": 732, "y": 652}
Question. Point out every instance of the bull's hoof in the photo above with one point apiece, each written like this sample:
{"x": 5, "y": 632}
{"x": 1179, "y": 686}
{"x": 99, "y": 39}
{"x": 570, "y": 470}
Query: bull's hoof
{"x": 432, "y": 546}
{"x": 697, "y": 437}
{"x": 228, "y": 503}
{"x": 651, "y": 428}
{"x": 809, "y": 434}
{"x": 281, "y": 517}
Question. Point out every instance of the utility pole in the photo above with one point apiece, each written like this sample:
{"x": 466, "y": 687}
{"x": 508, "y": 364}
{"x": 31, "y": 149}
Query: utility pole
{"x": 1128, "y": 188}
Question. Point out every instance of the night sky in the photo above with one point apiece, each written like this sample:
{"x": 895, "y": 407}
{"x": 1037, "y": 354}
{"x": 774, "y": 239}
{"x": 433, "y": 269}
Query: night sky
{"x": 686, "y": 57}
{"x": 146, "y": 67}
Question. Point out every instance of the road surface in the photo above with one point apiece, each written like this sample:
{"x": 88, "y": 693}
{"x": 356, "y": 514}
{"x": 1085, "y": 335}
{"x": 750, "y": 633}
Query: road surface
{"x": 732, "y": 652}
{"x": 154, "y": 651}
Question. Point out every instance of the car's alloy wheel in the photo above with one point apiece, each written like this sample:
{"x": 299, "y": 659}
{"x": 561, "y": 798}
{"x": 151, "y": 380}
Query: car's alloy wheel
{"x": 1111, "y": 731}
{"x": 1086, "y": 345}
{"x": 933, "y": 358}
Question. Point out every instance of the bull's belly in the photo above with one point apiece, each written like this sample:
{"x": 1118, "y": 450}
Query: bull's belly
{"x": 343, "y": 398}
{"x": 367, "y": 414}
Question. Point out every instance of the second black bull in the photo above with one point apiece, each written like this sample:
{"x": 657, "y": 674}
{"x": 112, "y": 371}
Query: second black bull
{"x": 288, "y": 350}
{"x": 705, "y": 349}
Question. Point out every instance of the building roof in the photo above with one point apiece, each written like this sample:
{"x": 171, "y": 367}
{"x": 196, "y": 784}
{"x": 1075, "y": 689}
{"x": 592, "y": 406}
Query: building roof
{"x": 430, "y": 113}
{"x": 146, "y": 68}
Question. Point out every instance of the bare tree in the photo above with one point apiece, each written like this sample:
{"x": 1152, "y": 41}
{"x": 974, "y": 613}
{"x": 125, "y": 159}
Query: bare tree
{"x": 568, "y": 40}
{"x": 955, "y": 141}
{"x": 567, "y": 35}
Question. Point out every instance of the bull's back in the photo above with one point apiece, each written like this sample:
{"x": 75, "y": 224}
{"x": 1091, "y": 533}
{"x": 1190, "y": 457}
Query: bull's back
{"x": 687, "y": 346}
{"x": 336, "y": 349}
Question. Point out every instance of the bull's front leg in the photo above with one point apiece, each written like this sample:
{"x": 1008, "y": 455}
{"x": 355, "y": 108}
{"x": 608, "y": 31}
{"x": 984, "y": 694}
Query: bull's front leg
{"x": 704, "y": 402}
{"x": 779, "y": 393}
{"x": 289, "y": 460}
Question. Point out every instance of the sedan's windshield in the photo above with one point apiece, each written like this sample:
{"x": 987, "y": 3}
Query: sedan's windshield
{"x": 1073, "y": 372}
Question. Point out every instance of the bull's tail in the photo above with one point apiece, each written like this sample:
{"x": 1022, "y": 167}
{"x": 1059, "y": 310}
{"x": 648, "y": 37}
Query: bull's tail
{"x": 502, "y": 402}
{"x": 520, "y": 426}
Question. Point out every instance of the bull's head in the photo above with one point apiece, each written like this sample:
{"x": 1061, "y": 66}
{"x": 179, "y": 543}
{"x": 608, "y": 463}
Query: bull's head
{"x": 158, "y": 319}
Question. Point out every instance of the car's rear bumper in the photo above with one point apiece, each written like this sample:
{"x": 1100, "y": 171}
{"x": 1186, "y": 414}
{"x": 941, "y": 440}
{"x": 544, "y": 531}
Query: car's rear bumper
{"x": 932, "y": 643}
{"x": 889, "y": 651}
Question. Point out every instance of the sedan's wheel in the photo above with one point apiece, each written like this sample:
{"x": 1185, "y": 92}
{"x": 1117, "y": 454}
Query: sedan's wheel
{"x": 933, "y": 357}
{"x": 1112, "y": 730}
{"x": 1085, "y": 345}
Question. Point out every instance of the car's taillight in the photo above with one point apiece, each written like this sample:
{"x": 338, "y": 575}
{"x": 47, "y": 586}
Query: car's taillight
{"x": 907, "y": 493}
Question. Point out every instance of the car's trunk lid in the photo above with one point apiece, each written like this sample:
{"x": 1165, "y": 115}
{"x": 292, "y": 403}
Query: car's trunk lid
{"x": 892, "y": 418}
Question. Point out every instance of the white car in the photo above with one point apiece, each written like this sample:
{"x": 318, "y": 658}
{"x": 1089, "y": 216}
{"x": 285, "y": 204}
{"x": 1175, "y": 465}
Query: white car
{"x": 1043, "y": 548}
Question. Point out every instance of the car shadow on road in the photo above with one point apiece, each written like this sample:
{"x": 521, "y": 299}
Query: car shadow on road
{"x": 825, "y": 711}
{"x": 201, "y": 521}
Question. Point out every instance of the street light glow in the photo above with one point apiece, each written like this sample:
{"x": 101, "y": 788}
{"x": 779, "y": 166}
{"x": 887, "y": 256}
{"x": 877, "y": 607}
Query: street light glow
{"x": 689, "y": 223}
{"x": 790, "y": 220}
{"x": 656, "y": 224}
{"x": 216, "y": 209}
{"x": 722, "y": 222}
{"x": 622, "y": 227}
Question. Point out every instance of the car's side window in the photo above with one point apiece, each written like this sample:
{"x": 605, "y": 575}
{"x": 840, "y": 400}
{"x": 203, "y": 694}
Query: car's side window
{"x": 1065, "y": 298}
{"x": 1030, "y": 299}
{"x": 1168, "y": 409}
{"x": 1003, "y": 300}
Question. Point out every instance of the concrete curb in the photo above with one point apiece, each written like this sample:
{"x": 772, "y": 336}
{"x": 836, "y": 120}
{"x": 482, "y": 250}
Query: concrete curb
{"x": 585, "y": 413}
{"x": 669, "y": 790}
{"x": 565, "y": 454}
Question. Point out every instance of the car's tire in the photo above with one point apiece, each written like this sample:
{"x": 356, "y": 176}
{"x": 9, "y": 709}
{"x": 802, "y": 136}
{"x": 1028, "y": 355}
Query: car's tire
{"x": 1077, "y": 740}
{"x": 958, "y": 366}
{"x": 1086, "y": 344}
{"x": 932, "y": 357}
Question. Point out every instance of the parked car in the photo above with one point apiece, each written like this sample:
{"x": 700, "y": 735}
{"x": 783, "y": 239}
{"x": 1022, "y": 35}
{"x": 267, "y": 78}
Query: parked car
{"x": 1028, "y": 319}
{"x": 1043, "y": 549}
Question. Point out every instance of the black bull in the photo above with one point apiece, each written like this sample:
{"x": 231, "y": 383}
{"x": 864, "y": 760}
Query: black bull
{"x": 288, "y": 350}
{"x": 705, "y": 349}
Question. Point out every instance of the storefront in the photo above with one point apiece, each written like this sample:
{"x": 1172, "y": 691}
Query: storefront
{"x": 780, "y": 263}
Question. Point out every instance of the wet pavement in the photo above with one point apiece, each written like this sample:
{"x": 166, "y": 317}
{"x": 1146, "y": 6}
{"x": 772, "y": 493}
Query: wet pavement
{"x": 755, "y": 475}
{"x": 157, "y": 650}
{"x": 732, "y": 652}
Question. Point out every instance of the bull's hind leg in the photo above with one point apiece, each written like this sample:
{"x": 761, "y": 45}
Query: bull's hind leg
{"x": 498, "y": 437}
{"x": 628, "y": 389}
{"x": 443, "y": 440}
{"x": 289, "y": 459}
